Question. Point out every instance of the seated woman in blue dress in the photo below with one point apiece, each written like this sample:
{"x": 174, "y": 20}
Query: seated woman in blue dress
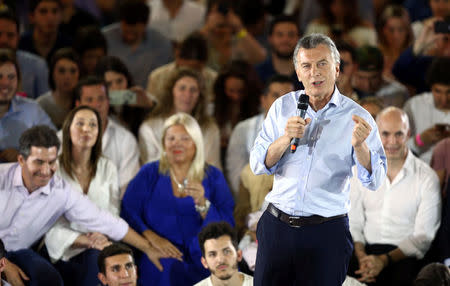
{"x": 170, "y": 200}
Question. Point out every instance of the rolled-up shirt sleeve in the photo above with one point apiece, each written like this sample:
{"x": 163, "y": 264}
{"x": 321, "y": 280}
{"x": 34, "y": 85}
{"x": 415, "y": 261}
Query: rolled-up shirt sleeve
{"x": 373, "y": 180}
{"x": 81, "y": 210}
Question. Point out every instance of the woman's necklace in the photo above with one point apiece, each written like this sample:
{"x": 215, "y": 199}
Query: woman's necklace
{"x": 179, "y": 186}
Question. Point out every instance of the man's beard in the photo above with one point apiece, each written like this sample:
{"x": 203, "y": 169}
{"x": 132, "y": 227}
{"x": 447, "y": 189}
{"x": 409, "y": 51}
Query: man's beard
{"x": 227, "y": 277}
{"x": 283, "y": 56}
{"x": 5, "y": 101}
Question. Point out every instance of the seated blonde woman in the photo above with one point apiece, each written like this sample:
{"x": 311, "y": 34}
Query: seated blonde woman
{"x": 171, "y": 200}
{"x": 184, "y": 92}
{"x": 72, "y": 248}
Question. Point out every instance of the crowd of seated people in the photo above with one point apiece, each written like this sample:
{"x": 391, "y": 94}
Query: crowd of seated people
{"x": 133, "y": 121}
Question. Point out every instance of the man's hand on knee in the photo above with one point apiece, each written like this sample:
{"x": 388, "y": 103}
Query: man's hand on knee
{"x": 14, "y": 275}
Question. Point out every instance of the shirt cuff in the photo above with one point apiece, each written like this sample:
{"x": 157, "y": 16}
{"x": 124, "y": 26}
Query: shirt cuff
{"x": 257, "y": 159}
{"x": 371, "y": 181}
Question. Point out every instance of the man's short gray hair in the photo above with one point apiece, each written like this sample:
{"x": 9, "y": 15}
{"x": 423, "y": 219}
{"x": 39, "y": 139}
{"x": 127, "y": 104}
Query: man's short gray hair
{"x": 312, "y": 41}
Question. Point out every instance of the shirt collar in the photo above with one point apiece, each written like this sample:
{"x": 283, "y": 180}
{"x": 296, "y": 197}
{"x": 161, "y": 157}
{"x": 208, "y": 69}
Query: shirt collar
{"x": 336, "y": 98}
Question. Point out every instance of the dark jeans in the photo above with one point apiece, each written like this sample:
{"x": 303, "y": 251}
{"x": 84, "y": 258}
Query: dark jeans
{"x": 81, "y": 269}
{"x": 313, "y": 255}
{"x": 40, "y": 271}
{"x": 401, "y": 273}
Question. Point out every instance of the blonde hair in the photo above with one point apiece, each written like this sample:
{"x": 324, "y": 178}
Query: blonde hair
{"x": 197, "y": 169}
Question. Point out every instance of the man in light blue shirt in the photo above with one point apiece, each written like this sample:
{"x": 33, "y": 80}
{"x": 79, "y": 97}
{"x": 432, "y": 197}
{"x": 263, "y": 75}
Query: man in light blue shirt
{"x": 17, "y": 113}
{"x": 35, "y": 81}
{"x": 310, "y": 196}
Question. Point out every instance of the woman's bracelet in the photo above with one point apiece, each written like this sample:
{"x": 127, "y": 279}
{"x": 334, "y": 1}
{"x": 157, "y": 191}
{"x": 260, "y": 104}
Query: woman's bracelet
{"x": 203, "y": 209}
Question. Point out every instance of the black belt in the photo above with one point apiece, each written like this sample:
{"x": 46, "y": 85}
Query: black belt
{"x": 298, "y": 221}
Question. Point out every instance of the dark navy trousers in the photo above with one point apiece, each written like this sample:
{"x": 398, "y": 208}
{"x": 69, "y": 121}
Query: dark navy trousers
{"x": 40, "y": 271}
{"x": 313, "y": 255}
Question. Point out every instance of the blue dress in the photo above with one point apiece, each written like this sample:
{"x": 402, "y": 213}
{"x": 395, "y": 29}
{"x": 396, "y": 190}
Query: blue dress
{"x": 149, "y": 203}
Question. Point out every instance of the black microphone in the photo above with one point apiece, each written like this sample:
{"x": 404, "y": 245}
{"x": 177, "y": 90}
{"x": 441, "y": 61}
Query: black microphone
{"x": 302, "y": 106}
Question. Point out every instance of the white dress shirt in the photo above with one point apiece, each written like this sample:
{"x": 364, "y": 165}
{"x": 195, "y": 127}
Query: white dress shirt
{"x": 239, "y": 147}
{"x": 405, "y": 212}
{"x": 150, "y": 145}
{"x": 423, "y": 114}
{"x": 103, "y": 191}
{"x": 248, "y": 281}
{"x": 120, "y": 146}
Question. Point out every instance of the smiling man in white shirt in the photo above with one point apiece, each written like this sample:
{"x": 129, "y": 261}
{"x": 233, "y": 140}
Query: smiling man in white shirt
{"x": 394, "y": 226}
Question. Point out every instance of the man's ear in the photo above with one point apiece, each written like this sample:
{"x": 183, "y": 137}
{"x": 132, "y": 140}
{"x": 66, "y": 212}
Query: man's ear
{"x": 239, "y": 255}
{"x": 2, "y": 264}
{"x": 203, "y": 260}
{"x": 77, "y": 103}
{"x": 21, "y": 160}
{"x": 102, "y": 278}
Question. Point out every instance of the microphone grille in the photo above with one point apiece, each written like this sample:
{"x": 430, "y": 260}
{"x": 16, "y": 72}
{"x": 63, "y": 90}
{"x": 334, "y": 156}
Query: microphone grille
{"x": 303, "y": 101}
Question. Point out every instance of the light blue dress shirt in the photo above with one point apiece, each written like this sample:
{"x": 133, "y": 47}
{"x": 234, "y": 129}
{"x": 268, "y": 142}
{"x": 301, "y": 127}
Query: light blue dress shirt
{"x": 316, "y": 178}
{"x": 23, "y": 113}
{"x": 34, "y": 73}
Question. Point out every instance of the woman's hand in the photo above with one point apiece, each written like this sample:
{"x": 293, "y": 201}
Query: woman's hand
{"x": 197, "y": 192}
{"x": 93, "y": 240}
{"x": 163, "y": 245}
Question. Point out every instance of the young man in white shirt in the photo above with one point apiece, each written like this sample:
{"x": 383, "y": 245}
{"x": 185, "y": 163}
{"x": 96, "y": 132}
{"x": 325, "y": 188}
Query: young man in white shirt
{"x": 394, "y": 226}
{"x": 221, "y": 256}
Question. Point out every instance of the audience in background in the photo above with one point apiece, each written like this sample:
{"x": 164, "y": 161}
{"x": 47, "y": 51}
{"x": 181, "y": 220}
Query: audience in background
{"x": 118, "y": 144}
{"x": 184, "y": 92}
{"x": 191, "y": 53}
{"x": 368, "y": 79}
{"x": 282, "y": 38}
{"x": 347, "y": 69}
{"x": 74, "y": 18}
{"x": 340, "y": 22}
{"x": 171, "y": 199}
{"x": 429, "y": 112}
{"x": 236, "y": 95}
{"x": 394, "y": 35}
{"x": 45, "y": 38}
{"x": 63, "y": 76}
{"x": 34, "y": 67}
{"x": 116, "y": 266}
{"x": 176, "y": 19}
{"x": 227, "y": 37}
{"x": 130, "y": 102}
{"x": 410, "y": 68}
{"x": 394, "y": 226}
{"x": 372, "y": 104}
{"x": 17, "y": 113}
{"x": 245, "y": 132}
{"x": 141, "y": 48}
{"x": 90, "y": 44}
